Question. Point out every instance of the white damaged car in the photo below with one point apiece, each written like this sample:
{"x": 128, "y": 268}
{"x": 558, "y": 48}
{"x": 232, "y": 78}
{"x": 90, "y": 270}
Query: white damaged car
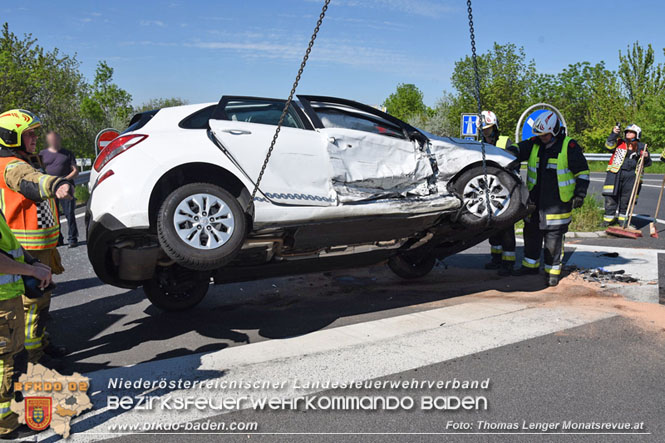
{"x": 347, "y": 185}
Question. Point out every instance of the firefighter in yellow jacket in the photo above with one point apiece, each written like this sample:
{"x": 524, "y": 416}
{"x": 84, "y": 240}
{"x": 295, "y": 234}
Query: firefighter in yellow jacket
{"x": 557, "y": 179}
{"x": 27, "y": 201}
{"x": 14, "y": 262}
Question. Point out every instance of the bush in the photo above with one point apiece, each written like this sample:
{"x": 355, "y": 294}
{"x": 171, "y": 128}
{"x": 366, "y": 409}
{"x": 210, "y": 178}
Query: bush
{"x": 81, "y": 193}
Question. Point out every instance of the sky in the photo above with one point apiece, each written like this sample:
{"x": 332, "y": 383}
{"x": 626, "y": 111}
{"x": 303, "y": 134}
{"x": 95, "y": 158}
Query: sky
{"x": 201, "y": 50}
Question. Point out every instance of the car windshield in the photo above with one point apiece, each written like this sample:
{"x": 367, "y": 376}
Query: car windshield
{"x": 338, "y": 117}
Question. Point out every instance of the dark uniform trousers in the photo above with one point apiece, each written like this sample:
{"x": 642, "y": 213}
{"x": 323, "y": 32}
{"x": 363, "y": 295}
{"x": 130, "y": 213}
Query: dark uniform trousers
{"x": 503, "y": 246}
{"x": 624, "y": 185}
{"x": 534, "y": 238}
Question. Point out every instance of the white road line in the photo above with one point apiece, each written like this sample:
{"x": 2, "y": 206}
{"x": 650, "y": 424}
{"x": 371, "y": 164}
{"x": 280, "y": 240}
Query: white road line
{"x": 643, "y": 185}
{"x": 64, "y": 220}
{"x": 357, "y": 352}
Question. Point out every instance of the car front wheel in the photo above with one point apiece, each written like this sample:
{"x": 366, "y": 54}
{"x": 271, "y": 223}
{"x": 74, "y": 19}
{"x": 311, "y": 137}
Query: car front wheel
{"x": 201, "y": 226}
{"x": 504, "y": 196}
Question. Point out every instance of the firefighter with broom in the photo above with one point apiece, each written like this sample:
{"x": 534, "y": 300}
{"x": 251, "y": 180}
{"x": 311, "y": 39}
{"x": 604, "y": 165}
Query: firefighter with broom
{"x": 621, "y": 172}
{"x": 557, "y": 179}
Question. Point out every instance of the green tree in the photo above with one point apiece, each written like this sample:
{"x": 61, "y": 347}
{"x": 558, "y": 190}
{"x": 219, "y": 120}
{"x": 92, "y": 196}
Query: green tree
{"x": 45, "y": 82}
{"x": 506, "y": 78}
{"x": 641, "y": 76}
{"x": 437, "y": 120}
{"x": 158, "y": 103}
{"x": 106, "y": 105}
{"x": 405, "y": 102}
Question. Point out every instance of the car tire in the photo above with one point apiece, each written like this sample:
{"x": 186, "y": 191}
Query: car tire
{"x": 505, "y": 192}
{"x": 176, "y": 289}
{"x": 193, "y": 235}
{"x": 410, "y": 267}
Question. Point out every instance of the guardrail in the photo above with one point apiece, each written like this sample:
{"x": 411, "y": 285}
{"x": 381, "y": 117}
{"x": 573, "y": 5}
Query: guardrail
{"x": 606, "y": 157}
{"x": 82, "y": 178}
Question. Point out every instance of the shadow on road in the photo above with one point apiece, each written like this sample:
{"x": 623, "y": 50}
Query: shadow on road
{"x": 301, "y": 305}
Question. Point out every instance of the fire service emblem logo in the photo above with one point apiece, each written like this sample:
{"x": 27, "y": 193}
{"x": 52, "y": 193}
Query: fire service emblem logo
{"x": 38, "y": 412}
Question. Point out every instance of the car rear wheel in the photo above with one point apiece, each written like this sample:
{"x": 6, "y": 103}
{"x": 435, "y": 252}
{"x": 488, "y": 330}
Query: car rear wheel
{"x": 410, "y": 267}
{"x": 504, "y": 193}
{"x": 176, "y": 289}
{"x": 201, "y": 226}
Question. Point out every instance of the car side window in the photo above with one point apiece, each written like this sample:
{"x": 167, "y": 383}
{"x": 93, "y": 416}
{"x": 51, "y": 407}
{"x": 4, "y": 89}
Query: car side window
{"x": 261, "y": 111}
{"x": 341, "y": 118}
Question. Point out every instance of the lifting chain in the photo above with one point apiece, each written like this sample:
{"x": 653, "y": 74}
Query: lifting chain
{"x": 288, "y": 103}
{"x": 480, "y": 115}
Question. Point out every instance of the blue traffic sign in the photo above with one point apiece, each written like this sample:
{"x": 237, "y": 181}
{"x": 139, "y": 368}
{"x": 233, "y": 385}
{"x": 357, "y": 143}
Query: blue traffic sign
{"x": 469, "y": 125}
{"x": 527, "y": 129}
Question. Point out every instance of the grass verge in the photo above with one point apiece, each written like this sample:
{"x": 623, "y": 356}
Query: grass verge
{"x": 588, "y": 218}
{"x": 81, "y": 193}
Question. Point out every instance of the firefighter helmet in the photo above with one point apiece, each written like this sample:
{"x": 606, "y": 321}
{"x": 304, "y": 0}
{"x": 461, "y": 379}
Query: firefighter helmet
{"x": 547, "y": 123}
{"x": 634, "y": 128}
{"x": 489, "y": 119}
{"x": 12, "y": 125}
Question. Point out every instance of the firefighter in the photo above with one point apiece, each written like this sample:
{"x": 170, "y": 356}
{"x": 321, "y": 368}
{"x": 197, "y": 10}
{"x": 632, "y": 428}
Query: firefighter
{"x": 621, "y": 171}
{"x": 14, "y": 262}
{"x": 557, "y": 179}
{"x": 502, "y": 244}
{"x": 27, "y": 201}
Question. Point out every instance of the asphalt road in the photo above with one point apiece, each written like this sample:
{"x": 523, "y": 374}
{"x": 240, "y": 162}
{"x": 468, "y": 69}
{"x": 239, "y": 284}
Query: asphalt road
{"x": 551, "y": 355}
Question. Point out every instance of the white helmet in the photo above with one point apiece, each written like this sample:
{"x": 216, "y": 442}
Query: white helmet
{"x": 546, "y": 123}
{"x": 636, "y": 129}
{"x": 489, "y": 119}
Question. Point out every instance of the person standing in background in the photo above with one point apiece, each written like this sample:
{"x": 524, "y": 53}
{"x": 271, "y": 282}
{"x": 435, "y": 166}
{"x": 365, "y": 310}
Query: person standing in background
{"x": 61, "y": 163}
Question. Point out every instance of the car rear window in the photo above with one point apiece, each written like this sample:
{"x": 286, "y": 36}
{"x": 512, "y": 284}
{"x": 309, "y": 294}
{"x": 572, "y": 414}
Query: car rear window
{"x": 199, "y": 119}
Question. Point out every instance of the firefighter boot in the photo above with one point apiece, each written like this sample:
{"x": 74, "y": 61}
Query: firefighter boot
{"x": 495, "y": 263}
{"x": 506, "y": 269}
{"x": 552, "y": 280}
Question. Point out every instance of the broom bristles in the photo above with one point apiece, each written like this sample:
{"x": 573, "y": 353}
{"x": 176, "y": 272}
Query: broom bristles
{"x": 624, "y": 232}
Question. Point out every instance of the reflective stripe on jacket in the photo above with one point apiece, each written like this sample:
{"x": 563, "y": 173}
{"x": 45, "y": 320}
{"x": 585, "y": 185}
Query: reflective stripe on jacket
{"x": 564, "y": 175}
{"x": 35, "y": 224}
{"x": 11, "y": 285}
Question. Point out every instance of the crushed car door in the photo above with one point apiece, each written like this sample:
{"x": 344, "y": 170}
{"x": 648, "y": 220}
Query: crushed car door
{"x": 371, "y": 154}
{"x": 298, "y": 173}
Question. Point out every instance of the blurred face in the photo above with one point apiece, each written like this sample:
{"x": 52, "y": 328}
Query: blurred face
{"x": 29, "y": 139}
{"x": 53, "y": 141}
{"x": 630, "y": 135}
{"x": 545, "y": 138}
{"x": 487, "y": 134}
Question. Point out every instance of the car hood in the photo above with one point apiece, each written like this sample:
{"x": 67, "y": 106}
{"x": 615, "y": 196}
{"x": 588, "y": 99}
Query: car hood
{"x": 454, "y": 154}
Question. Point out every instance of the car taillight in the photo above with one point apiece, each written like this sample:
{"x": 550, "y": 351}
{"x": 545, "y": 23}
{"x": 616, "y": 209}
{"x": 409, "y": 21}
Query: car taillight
{"x": 103, "y": 177}
{"x": 116, "y": 147}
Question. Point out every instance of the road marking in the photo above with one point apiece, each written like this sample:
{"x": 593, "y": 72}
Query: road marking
{"x": 356, "y": 352}
{"x": 82, "y": 214}
{"x": 643, "y": 185}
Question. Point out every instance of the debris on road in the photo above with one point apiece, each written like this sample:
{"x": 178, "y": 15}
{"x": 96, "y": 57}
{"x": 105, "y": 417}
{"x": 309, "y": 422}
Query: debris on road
{"x": 602, "y": 276}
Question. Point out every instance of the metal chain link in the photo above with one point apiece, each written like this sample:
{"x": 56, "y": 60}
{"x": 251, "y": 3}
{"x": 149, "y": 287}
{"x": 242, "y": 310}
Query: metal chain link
{"x": 288, "y": 102}
{"x": 480, "y": 110}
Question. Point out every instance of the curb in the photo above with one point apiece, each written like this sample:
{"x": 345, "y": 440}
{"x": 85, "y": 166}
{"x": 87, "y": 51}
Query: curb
{"x": 594, "y": 234}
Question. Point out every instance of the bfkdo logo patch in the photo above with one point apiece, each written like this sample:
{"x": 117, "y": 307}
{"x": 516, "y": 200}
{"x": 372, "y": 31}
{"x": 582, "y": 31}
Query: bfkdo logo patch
{"x": 38, "y": 412}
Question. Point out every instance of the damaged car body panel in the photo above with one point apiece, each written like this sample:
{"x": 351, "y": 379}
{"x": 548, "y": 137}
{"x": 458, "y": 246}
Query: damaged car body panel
{"x": 346, "y": 185}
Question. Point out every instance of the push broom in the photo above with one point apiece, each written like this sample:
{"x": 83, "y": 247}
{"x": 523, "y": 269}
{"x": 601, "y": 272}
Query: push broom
{"x": 652, "y": 226}
{"x": 625, "y": 230}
